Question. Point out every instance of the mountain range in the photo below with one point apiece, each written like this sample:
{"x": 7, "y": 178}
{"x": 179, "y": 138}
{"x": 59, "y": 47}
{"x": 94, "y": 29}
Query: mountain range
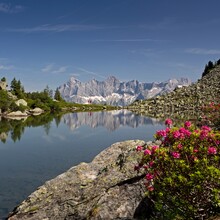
{"x": 114, "y": 92}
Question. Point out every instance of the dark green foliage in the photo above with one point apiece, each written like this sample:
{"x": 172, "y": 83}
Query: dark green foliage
{"x": 57, "y": 95}
{"x": 209, "y": 67}
{"x": 5, "y": 101}
{"x": 14, "y": 107}
{"x": 3, "y": 79}
{"x": 43, "y": 100}
{"x": 17, "y": 89}
{"x": 48, "y": 92}
{"x": 40, "y": 100}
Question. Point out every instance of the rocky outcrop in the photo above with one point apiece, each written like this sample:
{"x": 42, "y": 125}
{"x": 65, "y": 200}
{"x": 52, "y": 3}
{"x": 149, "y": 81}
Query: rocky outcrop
{"x": 185, "y": 99}
{"x": 36, "y": 111}
{"x": 3, "y": 85}
{"x": 16, "y": 114}
{"x": 21, "y": 102}
{"x": 106, "y": 188}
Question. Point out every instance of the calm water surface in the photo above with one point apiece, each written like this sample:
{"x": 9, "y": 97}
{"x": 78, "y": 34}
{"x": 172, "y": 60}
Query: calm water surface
{"x": 42, "y": 152}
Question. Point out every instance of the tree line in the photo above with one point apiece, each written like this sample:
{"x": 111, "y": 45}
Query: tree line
{"x": 210, "y": 66}
{"x": 46, "y": 99}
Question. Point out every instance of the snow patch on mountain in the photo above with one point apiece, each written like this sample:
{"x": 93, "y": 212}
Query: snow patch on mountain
{"x": 114, "y": 92}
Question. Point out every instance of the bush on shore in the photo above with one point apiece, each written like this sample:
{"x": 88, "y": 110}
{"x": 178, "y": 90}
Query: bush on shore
{"x": 183, "y": 172}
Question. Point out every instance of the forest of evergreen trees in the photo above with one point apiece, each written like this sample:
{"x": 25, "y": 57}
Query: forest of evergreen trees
{"x": 44, "y": 99}
{"x": 210, "y": 66}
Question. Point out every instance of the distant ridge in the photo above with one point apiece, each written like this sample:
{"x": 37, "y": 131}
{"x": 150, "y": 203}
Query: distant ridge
{"x": 114, "y": 92}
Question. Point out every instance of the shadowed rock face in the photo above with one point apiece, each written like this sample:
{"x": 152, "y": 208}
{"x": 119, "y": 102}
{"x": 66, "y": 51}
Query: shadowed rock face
{"x": 106, "y": 188}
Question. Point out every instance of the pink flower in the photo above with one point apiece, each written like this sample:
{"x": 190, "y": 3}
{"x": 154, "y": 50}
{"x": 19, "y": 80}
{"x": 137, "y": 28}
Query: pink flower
{"x": 176, "y": 134}
{"x": 150, "y": 188}
{"x": 176, "y": 155}
{"x": 187, "y": 124}
{"x": 151, "y": 163}
{"x": 149, "y": 176}
{"x": 161, "y": 133}
{"x": 167, "y": 130}
{"x": 195, "y": 150}
{"x": 185, "y": 132}
{"x": 212, "y": 150}
{"x": 154, "y": 148}
{"x": 139, "y": 148}
{"x": 203, "y": 134}
{"x": 168, "y": 122}
{"x": 147, "y": 152}
{"x": 206, "y": 128}
{"x": 179, "y": 146}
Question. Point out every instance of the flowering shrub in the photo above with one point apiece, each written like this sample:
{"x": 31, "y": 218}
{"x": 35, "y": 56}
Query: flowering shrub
{"x": 182, "y": 173}
{"x": 211, "y": 114}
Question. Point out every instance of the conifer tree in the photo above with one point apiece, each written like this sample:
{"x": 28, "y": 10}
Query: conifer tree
{"x": 57, "y": 95}
{"x": 3, "y": 79}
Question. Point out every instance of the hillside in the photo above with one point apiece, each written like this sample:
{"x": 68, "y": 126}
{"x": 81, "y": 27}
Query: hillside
{"x": 185, "y": 99}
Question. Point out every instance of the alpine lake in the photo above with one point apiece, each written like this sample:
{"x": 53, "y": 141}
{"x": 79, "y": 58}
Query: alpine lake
{"x": 38, "y": 148}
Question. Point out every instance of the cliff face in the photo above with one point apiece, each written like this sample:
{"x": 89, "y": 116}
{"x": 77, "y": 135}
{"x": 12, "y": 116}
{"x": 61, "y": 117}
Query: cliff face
{"x": 184, "y": 99}
{"x": 113, "y": 92}
{"x": 106, "y": 188}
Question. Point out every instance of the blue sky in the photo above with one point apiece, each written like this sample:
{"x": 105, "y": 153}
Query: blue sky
{"x": 45, "y": 42}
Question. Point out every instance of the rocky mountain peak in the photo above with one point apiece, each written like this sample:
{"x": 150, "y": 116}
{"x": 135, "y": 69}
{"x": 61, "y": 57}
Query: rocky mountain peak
{"x": 112, "y": 79}
{"x": 73, "y": 79}
{"x": 114, "y": 92}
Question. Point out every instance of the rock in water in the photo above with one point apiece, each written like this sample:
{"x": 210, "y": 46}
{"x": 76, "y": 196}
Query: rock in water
{"x": 106, "y": 188}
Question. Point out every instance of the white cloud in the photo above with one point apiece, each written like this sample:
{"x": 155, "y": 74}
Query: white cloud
{"x": 47, "y": 68}
{"x": 201, "y": 51}
{"x": 50, "y": 68}
{"x": 56, "y": 28}
{"x": 8, "y": 8}
{"x": 3, "y": 67}
{"x": 90, "y": 72}
{"x": 62, "y": 69}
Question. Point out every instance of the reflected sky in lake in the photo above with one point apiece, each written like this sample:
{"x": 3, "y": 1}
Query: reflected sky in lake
{"x": 45, "y": 151}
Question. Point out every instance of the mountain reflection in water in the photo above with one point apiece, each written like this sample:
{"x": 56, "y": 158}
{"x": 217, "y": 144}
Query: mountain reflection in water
{"x": 111, "y": 120}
